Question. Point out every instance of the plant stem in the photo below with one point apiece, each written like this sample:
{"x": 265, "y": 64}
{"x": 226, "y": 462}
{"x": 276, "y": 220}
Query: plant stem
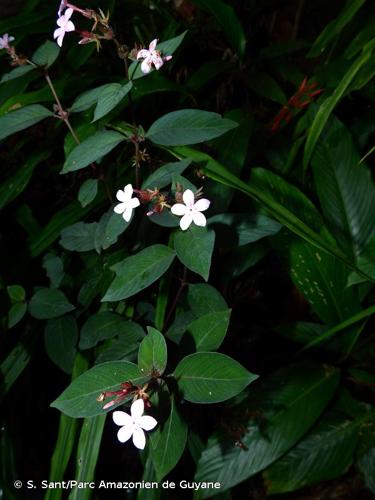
{"x": 177, "y": 298}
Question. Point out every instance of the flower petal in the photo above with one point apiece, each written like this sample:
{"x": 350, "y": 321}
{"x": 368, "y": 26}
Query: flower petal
{"x": 57, "y": 33}
{"x": 70, "y": 26}
{"x": 120, "y": 208}
{"x": 122, "y": 418}
{"x": 139, "y": 438}
{"x": 152, "y": 45}
{"x": 158, "y": 62}
{"x": 60, "y": 39}
{"x": 201, "y": 205}
{"x": 199, "y": 219}
{"x": 125, "y": 433}
{"x": 143, "y": 53}
{"x": 128, "y": 212}
{"x": 137, "y": 408}
{"x": 134, "y": 203}
{"x": 146, "y": 65}
{"x": 121, "y": 195}
{"x": 179, "y": 209}
{"x": 128, "y": 190}
{"x": 68, "y": 14}
{"x": 186, "y": 220}
{"x": 147, "y": 423}
{"x": 188, "y": 198}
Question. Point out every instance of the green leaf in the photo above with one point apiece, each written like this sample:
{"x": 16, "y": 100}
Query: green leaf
{"x": 325, "y": 453}
{"x": 54, "y": 267}
{"x": 163, "y": 176}
{"x": 16, "y": 313}
{"x": 107, "y": 325}
{"x": 330, "y": 102}
{"x": 79, "y": 399}
{"x": 16, "y": 293}
{"x": 137, "y": 272}
{"x": 168, "y": 443}
{"x": 17, "y": 72}
{"x": 79, "y": 237}
{"x": 241, "y": 229}
{"x": 167, "y": 48}
{"x": 46, "y": 55}
{"x": 152, "y": 354}
{"x": 194, "y": 249}
{"x": 88, "y": 191}
{"x": 208, "y": 331}
{"x": 288, "y": 402}
{"x": 227, "y": 19}
{"x": 204, "y": 299}
{"x": 211, "y": 377}
{"x": 49, "y": 303}
{"x": 109, "y": 228}
{"x": 345, "y": 189}
{"x": 22, "y": 118}
{"x": 91, "y": 150}
{"x": 188, "y": 126}
{"x": 89, "y": 98}
{"x": 366, "y": 464}
{"x": 87, "y": 455}
{"x": 108, "y": 99}
{"x": 60, "y": 338}
{"x": 335, "y": 27}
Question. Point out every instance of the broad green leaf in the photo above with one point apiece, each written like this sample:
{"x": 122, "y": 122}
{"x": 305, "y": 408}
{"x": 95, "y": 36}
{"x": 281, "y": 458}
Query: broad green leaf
{"x": 335, "y": 27}
{"x": 366, "y": 464}
{"x": 288, "y": 403}
{"x": 168, "y": 443}
{"x": 54, "y": 267}
{"x": 365, "y": 262}
{"x": 137, "y": 272}
{"x": 88, "y": 191}
{"x": 167, "y": 48}
{"x": 16, "y": 293}
{"x": 241, "y": 229}
{"x": 211, "y": 377}
{"x": 89, "y": 98}
{"x": 188, "y": 126}
{"x": 49, "y": 303}
{"x": 194, "y": 248}
{"x": 79, "y": 237}
{"x": 60, "y": 338}
{"x": 17, "y": 72}
{"x": 345, "y": 189}
{"x": 108, "y": 230}
{"x": 330, "y": 102}
{"x": 16, "y": 313}
{"x": 208, "y": 332}
{"x": 163, "y": 176}
{"x": 324, "y": 453}
{"x": 116, "y": 349}
{"x": 87, "y": 455}
{"x": 107, "y": 325}
{"x": 22, "y": 118}
{"x": 79, "y": 399}
{"x": 47, "y": 54}
{"x": 178, "y": 327}
{"x": 91, "y": 150}
{"x": 110, "y": 97}
{"x": 152, "y": 354}
{"x": 204, "y": 299}
{"x": 227, "y": 19}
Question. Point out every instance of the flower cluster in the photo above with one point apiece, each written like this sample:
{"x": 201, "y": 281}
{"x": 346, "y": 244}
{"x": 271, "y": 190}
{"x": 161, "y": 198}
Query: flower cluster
{"x": 5, "y": 41}
{"x": 190, "y": 210}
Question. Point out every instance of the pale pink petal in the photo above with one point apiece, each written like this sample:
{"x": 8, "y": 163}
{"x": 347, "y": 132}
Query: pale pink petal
{"x": 199, "y": 219}
{"x": 133, "y": 203}
{"x": 143, "y": 53}
{"x": 179, "y": 209}
{"x": 68, "y": 14}
{"x": 121, "y": 207}
{"x": 152, "y": 45}
{"x": 137, "y": 408}
{"x": 188, "y": 198}
{"x": 60, "y": 39}
{"x": 167, "y": 58}
{"x": 128, "y": 190}
{"x": 186, "y": 220}
{"x": 69, "y": 26}
{"x": 122, "y": 418}
{"x": 157, "y": 61}
{"x": 57, "y": 33}
{"x": 146, "y": 66}
{"x": 61, "y": 21}
{"x": 124, "y": 434}
{"x": 147, "y": 423}
{"x": 201, "y": 205}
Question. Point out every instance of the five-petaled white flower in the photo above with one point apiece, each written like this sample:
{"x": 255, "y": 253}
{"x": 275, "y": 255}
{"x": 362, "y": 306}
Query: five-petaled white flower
{"x": 134, "y": 424}
{"x": 152, "y": 57}
{"x": 65, "y": 25}
{"x": 191, "y": 211}
{"x": 127, "y": 202}
{"x": 5, "y": 41}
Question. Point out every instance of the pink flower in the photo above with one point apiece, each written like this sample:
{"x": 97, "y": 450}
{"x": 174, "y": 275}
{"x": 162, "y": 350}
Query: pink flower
{"x": 191, "y": 210}
{"x": 152, "y": 57}
{"x": 5, "y": 41}
{"x": 65, "y": 25}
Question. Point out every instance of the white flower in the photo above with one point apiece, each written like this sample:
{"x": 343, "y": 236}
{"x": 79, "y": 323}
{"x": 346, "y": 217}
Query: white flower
{"x": 134, "y": 424}
{"x": 5, "y": 41}
{"x": 127, "y": 202}
{"x": 191, "y": 211}
{"x": 151, "y": 57}
{"x": 65, "y": 25}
